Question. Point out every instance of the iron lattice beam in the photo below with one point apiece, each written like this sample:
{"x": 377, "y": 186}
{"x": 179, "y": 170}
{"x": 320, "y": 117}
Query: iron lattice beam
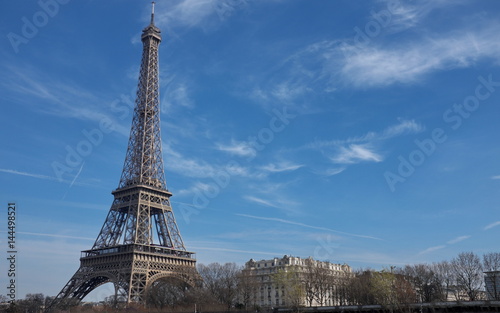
{"x": 129, "y": 252}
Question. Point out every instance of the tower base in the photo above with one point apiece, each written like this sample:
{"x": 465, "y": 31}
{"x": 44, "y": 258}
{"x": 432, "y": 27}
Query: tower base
{"x": 132, "y": 269}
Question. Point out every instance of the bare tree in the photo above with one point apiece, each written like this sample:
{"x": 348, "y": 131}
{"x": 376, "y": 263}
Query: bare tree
{"x": 382, "y": 286}
{"x": 289, "y": 279}
{"x": 318, "y": 280}
{"x": 468, "y": 269}
{"x": 221, "y": 281}
{"x": 358, "y": 288}
{"x": 341, "y": 283}
{"x": 392, "y": 289}
{"x": 491, "y": 261}
{"x": 309, "y": 277}
{"x": 445, "y": 276}
{"x": 405, "y": 293}
{"x": 167, "y": 292}
{"x": 425, "y": 281}
{"x": 323, "y": 284}
{"x": 247, "y": 283}
{"x": 32, "y": 303}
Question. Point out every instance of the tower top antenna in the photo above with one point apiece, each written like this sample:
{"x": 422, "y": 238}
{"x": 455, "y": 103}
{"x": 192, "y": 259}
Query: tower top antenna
{"x": 128, "y": 252}
{"x": 153, "y": 12}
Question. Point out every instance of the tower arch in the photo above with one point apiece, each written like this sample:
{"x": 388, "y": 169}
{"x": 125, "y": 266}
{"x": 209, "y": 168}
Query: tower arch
{"x": 126, "y": 252}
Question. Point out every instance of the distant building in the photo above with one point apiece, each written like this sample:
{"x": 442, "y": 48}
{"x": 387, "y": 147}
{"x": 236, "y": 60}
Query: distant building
{"x": 492, "y": 284}
{"x": 292, "y": 281}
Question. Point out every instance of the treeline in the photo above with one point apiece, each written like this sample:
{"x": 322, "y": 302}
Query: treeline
{"x": 461, "y": 279}
{"x": 32, "y": 303}
{"x": 228, "y": 287}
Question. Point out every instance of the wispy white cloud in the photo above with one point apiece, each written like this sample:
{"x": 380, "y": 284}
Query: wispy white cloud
{"x": 198, "y": 188}
{"x": 364, "y": 148}
{"x": 77, "y": 175}
{"x": 55, "y": 236}
{"x": 261, "y": 201}
{"x": 266, "y": 233}
{"x": 238, "y": 251}
{"x": 179, "y": 163}
{"x": 458, "y": 239}
{"x": 186, "y": 13}
{"x": 62, "y": 98}
{"x": 489, "y": 226}
{"x": 279, "y": 220}
{"x": 404, "y": 127}
{"x": 289, "y": 91}
{"x": 450, "y": 242}
{"x": 333, "y": 64}
{"x": 371, "y": 257}
{"x": 46, "y": 177}
{"x": 386, "y": 66}
{"x": 432, "y": 249}
{"x": 281, "y": 167}
{"x": 404, "y": 15}
{"x": 332, "y": 171}
{"x": 355, "y": 154}
{"x": 174, "y": 96}
{"x": 278, "y": 201}
{"x": 39, "y": 176}
{"x": 238, "y": 148}
{"x": 495, "y": 177}
{"x": 378, "y": 66}
{"x": 205, "y": 14}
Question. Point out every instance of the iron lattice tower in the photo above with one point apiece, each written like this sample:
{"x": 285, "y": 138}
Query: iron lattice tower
{"x": 128, "y": 251}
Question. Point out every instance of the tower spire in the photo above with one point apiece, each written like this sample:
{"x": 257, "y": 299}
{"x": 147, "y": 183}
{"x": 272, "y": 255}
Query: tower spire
{"x": 153, "y": 13}
{"x": 139, "y": 243}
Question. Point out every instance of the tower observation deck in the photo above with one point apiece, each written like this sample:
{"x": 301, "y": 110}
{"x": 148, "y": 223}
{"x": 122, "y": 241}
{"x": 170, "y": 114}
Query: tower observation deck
{"x": 139, "y": 244}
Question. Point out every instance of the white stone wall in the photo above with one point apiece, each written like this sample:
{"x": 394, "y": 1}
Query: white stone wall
{"x": 267, "y": 294}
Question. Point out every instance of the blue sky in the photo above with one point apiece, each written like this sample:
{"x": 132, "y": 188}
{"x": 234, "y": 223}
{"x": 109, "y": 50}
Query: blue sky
{"x": 359, "y": 132}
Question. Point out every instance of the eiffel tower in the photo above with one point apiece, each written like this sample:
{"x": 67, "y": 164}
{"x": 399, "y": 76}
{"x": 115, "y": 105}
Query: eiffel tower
{"x": 129, "y": 252}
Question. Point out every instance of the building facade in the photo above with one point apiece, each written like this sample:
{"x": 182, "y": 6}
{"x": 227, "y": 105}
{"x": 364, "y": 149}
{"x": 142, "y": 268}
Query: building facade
{"x": 293, "y": 281}
{"x": 492, "y": 284}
